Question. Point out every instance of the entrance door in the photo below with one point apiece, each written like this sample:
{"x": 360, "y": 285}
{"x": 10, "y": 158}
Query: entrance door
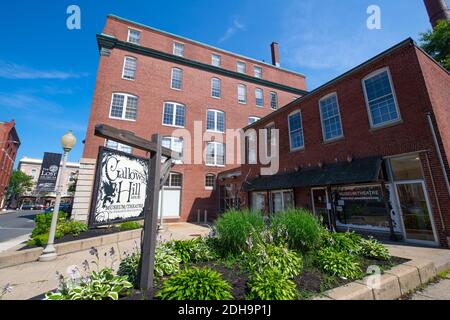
{"x": 170, "y": 197}
{"x": 320, "y": 201}
{"x": 415, "y": 212}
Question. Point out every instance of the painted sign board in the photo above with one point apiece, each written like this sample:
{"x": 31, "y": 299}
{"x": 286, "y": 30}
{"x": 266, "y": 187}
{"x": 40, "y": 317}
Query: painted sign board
{"x": 49, "y": 172}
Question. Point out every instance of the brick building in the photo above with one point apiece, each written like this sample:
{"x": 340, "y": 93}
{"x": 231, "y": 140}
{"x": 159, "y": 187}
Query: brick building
{"x": 367, "y": 151}
{"x": 9, "y": 144}
{"x": 150, "y": 81}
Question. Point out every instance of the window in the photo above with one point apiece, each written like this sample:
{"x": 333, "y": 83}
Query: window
{"x": 252, "y": 120}
{"x": 215, "y": 121}
{"x": 215, "y": 88}
{"x": 210, "y": 181}
{"x": 124, "y": 106}
{"x": 216, "y": 60}
{"x": 174, "y": 114}
{"x": 380, "y": 98}
{"x": 134, "y": 36}
{"x": 282, "y": 200}
{"x": 175, "y": 180}
{"x": 118, "y": 146}
{"x": 33, "y": 173}
{"x": 129, "y": 68}
{"x": 259, "y": 94}
{"x": 274, "y": 100}
{"x": 177, "y": 79}
{"x": 330, "y": 117}
{"x": 178, "y": 49}
{"x": 240, "y": 67}
{"x": 251, "y": 148}
{"x": 242, "y": 94}
{"x": 215, "y": 154}
{"x": 175, "y": 144}
{"x": 257, "y": 71}
{"x": 270, "y": 141}
{"x": 406, "y": 168}
{"x": 296, "y": 131}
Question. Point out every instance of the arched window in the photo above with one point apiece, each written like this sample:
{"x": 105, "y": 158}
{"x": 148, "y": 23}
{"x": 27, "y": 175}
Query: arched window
{"x": 330, "y": 117}
{"x": 174, "y": 114}
{"x": 210, "y": 181}
{"x": 296, "y": 131}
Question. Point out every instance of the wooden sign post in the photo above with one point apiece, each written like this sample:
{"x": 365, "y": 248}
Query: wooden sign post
{"x": 157, "y": 176}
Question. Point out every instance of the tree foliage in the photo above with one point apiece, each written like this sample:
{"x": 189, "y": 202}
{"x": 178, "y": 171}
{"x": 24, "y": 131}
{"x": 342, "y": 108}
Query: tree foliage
{"x": 20, "y": 183}
{"x": 437, "y": 43}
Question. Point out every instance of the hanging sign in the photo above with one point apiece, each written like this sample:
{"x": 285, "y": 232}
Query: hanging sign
{"x": 119, "y": 189}
{"x": 49, "y": 172}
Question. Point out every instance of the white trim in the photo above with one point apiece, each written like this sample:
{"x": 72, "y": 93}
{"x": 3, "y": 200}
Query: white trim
{"x": 173, "y": 48}
{"x": 237, "y": 66}
{"x": 212, "y": 60}
{"x": 216, "y": 114}
{"x": 254, "y": 118}
{"x": 262, "y": 94}
{"x": 394, "y": 96}
{"x": 339, "y": 114}
{"x": 270, "y": 100}
{"x": 209, "y": 188}
{"x": 123, "y": 68}
{"x": 289, "y": 130}
{"x": 176, "y": 104}
{"x": 215, "y": 143}
{"x": 124, "y": 107}
{"x": 171, "y": 79}
{"x": 140, "y": 36}
{"x": 254, "y": 73}
{"x": 246, "y": 93}
{"x": 172, "y": 138}
{"x": 220, "y": 88}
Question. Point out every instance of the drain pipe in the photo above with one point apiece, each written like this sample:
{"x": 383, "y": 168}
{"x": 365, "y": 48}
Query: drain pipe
{"x": 438, "y": 150}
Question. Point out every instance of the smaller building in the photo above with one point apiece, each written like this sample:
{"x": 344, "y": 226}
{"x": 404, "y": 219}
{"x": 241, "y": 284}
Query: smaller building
{"x": 32, "y": 167}
{"x": 9, "y": 144}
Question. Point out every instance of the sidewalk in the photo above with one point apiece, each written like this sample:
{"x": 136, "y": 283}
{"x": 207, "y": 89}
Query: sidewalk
{"x": 438, "y": 291}
{"x": 32, "y": 279}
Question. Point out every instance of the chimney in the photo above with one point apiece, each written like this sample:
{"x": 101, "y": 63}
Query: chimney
{"x": 437, "y": 10}
{"x": 275, "y": 54}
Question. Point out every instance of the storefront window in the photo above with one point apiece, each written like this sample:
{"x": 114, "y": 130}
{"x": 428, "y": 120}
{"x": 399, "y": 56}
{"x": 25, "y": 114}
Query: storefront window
{"x": 406, "y": 168}
{"x": 361, "y": 206}
{"x": 282, "y": 200}
{"x": 259, "y": 201}
{"x": 228, "y": 197}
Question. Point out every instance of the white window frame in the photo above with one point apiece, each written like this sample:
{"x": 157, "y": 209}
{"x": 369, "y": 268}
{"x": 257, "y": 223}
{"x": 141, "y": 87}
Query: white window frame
{"x": 176, "y": 105}
{"x": 120, "y": 146}
{"x": 321, "y": 118}
{"x": 169, "y": 181}
{"x": 175, "y": 43}
{"x": 261, "y": 72}
{"x": 215, "y": 181}
{"x": 273, "y": 93}
{"x": 256, "y": 98}
{"x": 171, "y": 79}
{"x": 212, "y": 88}
{"x": 246, "y": 93}
{"x": 215, "y": 143}
{"x": 124, "y": 109}
{"x": 241, "y": 63}
{"x": 253, "y": 118}
{"x": 140, "y": 36}
{"x": 123, "y": 69}
{"x": 216, "y": 114}
{"x": 394, "y": 96}
{"x": 268, "y": 128}
{"x": 212, "y": 59}
{"x": 302, "y": 130}
{"x": 182, "y": 147}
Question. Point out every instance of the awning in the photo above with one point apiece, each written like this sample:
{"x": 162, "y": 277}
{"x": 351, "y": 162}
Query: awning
{"x": 357, "y": 171}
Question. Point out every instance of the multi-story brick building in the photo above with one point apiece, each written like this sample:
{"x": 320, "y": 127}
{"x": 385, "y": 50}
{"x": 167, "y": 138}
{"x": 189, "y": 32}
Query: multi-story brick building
{"x": 9, "y": 144}
{"x": 150, "y": 81}
{"x": 369, "y": 151}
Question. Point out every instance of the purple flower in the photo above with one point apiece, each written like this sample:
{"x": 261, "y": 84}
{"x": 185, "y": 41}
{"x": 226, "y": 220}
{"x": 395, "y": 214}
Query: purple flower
{"x": 93, "y": 252}
{"x": 112, "y": 252}
{"x": 85, "y": 265}
{"x": 6, "y": 289}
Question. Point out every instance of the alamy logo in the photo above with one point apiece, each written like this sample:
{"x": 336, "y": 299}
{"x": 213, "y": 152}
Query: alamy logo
{"x": 374, "y": 19}
{"x": 73, "y": 22}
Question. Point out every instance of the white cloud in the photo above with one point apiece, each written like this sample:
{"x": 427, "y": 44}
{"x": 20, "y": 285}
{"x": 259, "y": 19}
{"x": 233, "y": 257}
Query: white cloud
{"x": 28, "y": 102}
{"x": 232, "y": 29}
{"x": 14, "y": 71}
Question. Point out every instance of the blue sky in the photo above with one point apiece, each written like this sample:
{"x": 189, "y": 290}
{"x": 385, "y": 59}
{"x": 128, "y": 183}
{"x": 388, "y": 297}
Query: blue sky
{"x": 47, "y": 73}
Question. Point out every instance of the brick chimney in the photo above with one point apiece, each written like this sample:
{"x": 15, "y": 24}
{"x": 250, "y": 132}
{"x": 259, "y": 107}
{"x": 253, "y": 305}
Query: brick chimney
{"x": 275, "y": 54}
{"x": 437, "y": 10}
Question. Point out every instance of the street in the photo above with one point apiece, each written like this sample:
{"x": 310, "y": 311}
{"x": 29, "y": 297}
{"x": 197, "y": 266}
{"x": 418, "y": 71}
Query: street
{"x": 14, "y": 225}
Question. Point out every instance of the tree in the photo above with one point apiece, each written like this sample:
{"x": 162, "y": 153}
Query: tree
{"x": 437, "y": 43}
{"x": 19, "y": 184}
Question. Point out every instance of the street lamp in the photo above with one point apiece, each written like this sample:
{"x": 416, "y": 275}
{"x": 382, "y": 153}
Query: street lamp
{"x": 49, "y": 253}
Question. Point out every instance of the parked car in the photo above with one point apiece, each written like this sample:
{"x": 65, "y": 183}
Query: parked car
{"x": 27, "y": 207}
{"x": 67, "y": 208}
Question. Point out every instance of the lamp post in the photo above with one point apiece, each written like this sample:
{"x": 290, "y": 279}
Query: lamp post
{"x": 49, "y": 253}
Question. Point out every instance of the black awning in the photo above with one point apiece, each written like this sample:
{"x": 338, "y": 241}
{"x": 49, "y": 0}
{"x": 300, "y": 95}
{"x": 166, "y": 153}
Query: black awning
{"x": 357, "y": 171}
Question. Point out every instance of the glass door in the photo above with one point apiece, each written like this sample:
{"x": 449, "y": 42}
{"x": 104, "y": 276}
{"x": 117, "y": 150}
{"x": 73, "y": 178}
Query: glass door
{"x": 320, "y": 201}
{"x": 415, "y": 211}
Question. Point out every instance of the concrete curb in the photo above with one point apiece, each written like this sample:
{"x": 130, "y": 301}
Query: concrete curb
{"x": 9, "y": 259}
{"x": 394, "y": 283}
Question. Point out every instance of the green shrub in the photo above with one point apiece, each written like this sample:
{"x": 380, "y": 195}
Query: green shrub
{"x": 43, "y": 222}
{"x": 71, "y": 227}
{"x": 348, "y": 242}
{"x": 130, "y": 225}
{"x": 373, "y": 249}
{"x": 298, "y": 227}
{"x": 166, "y": 264}
{"x": 274, "y": 257}
{"x": 38, "y": 240}
{"x": 338, "y": 263}
{"x": 195, "y": 284}
{"x": 194, "y": 250}
{"x": 234, "y": 228}
{"x": 271, "y": 284}
{"x": 102, "y": 285}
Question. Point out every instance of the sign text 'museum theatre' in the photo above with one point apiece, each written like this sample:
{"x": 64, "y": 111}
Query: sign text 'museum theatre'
{"x": 120, "y": 188}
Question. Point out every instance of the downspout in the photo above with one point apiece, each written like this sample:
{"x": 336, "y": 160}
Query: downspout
{"x": 438, "y": 150}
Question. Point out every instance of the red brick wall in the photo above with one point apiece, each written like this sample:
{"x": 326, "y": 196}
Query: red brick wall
{"x": 152, "y": 86}
{"x": 8, "y": 152}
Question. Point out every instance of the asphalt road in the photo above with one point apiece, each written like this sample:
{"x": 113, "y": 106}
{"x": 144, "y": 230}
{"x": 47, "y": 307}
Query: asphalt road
{"x": 13, "y": 225}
